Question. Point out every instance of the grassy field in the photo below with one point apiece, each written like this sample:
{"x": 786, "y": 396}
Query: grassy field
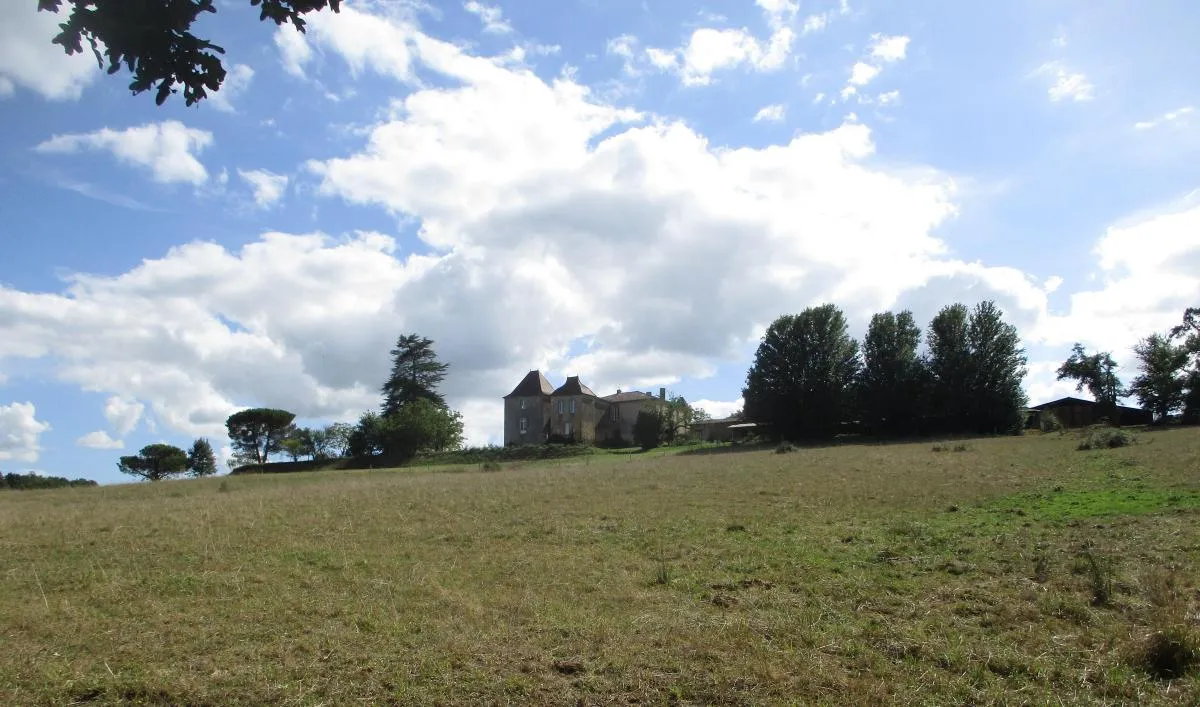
{"x": 1001, "y": 571}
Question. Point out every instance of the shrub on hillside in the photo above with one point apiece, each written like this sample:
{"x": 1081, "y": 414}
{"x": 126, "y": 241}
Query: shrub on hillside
{"x": 1100, "y": 437}
{"x": 1050, "y": 422}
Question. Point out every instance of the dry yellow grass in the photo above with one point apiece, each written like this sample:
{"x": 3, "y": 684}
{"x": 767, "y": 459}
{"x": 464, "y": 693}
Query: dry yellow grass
{"x": 843, "y": 575}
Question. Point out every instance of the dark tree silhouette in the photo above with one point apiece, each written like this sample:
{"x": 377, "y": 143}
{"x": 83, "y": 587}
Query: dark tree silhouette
{"x": 155, "y": 462}
{"x": 950, "y": 366}
{"x": 891, "y": 385}
{"x": 1098, "y": 373}
{"x": 420, "y": 426}
{"x": 201, "y": 460}
{"x": 1189, "y": 330}
{"x": 800, "y": 383}
{"x": 998, "y": 365}
{"x": 152, "y": 39}
{"x": 256, "y": 433}
{"x": 648, "y": 428}
{"x": 1162, "y": 383}
{"x": 31, "y": 480}
{"x": 977, "y": 367}
{"x": 416, "y": 373}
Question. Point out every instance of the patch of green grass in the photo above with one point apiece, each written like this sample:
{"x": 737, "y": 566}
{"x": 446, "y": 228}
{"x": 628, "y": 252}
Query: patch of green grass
{"x": 1065, "y": 506}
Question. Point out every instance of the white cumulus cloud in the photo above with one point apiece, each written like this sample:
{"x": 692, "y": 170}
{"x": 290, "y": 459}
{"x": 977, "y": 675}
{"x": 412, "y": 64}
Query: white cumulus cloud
{"x": 772, "y": 113}
{"x": 719, "y": 409}
{"x": 1067, "y": 85}
{"x": 168, "y": 149}
{"x": 237, "y": 81}
{"x": 883, "y": 50}
{"x": 99, "y": 440}
{"x": 20, "y": 432}
{"x": 268, "y": 187}
{"x": 1173, "y": 117}
{"x": 887, "y": 48}
{"x": 548, "y": 219}
{"x": 819, "y": 21}
{"x": 123, "y": 414}
{"x": 862, "y": 73}
{"x": 29, "y": 59}
{"x": 365, "y": 42}
{"x": 779, "y": 12}
{"x": 814, "y": 23}
{"x": 888, "y": 98}
{"x": 709, "y": 51}
{"x": 491, "y": 16}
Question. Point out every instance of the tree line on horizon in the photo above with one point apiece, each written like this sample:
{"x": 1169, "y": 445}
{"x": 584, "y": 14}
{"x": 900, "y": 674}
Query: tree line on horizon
{"x": 811, "y": 380}
{"x": 30, "y": 480}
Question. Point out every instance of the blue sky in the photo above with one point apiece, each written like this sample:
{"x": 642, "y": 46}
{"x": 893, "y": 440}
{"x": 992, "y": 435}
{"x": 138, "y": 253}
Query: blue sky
{"x": 628, "y": 191}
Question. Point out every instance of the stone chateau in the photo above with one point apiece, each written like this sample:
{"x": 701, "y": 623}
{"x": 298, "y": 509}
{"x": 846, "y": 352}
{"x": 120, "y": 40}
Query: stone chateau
{"x": 535, "y": 411}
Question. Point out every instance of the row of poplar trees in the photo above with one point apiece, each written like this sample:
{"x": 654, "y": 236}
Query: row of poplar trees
{"x": 811, "y": 380}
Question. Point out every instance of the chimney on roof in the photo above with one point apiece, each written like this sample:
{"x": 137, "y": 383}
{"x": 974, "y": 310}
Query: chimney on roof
{"x": 662, "y": 393}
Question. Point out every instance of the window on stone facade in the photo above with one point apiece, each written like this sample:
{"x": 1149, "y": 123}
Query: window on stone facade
{"x": 568, "y": 429}
{"x": 572, "y": 406}
{"x": 524, "y": 425}
{"x": 614, "y": 412}
{"x": 561, "y": 406}
{"x": 522, "y": 403}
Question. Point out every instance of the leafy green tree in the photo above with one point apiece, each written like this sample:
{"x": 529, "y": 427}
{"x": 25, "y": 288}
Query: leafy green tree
{"x": 155, "y": 462}
{"x": 1098, "y": 373}
{"x": 891, "y": 384}
{"x": 998, "y": 364}
{"x": 366, "y": 440}
{"x": 803, "y": 371}
{"x": 1162, "y": 383}
{"x": 1191, "y": 398}
{"x": 676, "y": 418}
{"x": 1189, "y": 331}
{"x": 259, "y": 432}
{"x": 416, "y": 373}
{"x": 424, "y": 426}
{"x": 153, "y": 39}
{"x": 950, "y": 366}
{"x": 241, "y": 459}
{"x": 337, "y": 439}
{"x": 294, "y": 446}
{"x": 420, "y": 426}
{"x": 201, "y": 460}
{"x": 317, "y": 443}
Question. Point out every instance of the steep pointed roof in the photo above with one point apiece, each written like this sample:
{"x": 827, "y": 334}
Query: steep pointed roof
{"x": 574, "y": 387}
{"x": 533, "y": 384}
